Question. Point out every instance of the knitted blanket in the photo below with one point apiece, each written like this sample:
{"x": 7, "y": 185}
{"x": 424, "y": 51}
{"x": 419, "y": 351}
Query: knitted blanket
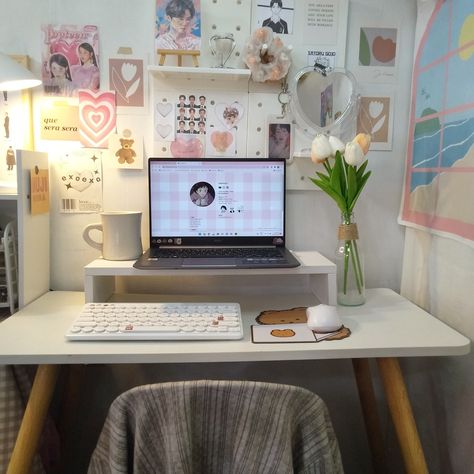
{"x": 207, "y": 427}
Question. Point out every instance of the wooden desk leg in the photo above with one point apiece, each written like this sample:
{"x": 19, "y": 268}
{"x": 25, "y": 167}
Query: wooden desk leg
{"x": 370, "y": 412}
{"x": 33, "y": 420}
{"x": 402, "y": 415}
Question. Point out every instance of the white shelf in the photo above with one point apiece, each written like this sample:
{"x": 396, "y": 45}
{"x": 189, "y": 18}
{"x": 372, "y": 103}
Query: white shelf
{"x": 316, "y": 275}
{"x": 206, "y": 73}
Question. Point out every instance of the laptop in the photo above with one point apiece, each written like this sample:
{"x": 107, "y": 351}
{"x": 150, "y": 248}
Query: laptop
{"x": 216, "y": 213}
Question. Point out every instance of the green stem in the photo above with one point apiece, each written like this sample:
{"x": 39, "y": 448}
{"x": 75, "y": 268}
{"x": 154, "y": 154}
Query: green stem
{"x": 356, "y": 264}
{"x": 327, "y": 166}
{"x": 347, "y": 244}
{"x": 359, "y": 266}
{"x": 344, "y": 168}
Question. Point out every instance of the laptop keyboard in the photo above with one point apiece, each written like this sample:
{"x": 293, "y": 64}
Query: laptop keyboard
{"x": 230, "y": 252}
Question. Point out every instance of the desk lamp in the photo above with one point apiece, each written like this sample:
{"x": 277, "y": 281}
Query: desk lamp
{"x": 14, "y": 76}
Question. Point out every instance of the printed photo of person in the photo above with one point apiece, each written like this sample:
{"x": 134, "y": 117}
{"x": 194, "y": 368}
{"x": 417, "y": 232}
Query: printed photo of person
{"x": 181, "y": 127}
{"x": 202, "y": 102}
{"x": 192, "y": 102}
{"x": 192, "y": 128}
{"x": 192, "y": 114}
{"x": 201, "y": 128}
{"x": 10, "y": 158}
{"x": 181, "y": 114}
{"x": 181, "y": 101}
{"x": 276, "y": 15}
{"x": 60, "y": 81}
{"x": 6, "y": 125}
{"x": 178, "y": 24}
{"x": 202, "y": 194}
{"x": 86, "y": 74}
{"x": 202, "y": 115}
{"x": 279, "y": 140}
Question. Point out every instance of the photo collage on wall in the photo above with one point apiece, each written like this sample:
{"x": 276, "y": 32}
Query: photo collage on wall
{"x": 197, "y": 126}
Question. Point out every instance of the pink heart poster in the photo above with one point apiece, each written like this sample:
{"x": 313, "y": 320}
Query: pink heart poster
{"x": 97, "y": 117}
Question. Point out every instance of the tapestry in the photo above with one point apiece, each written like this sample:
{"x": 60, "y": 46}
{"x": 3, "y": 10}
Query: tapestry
{"x": 438, "y": 193}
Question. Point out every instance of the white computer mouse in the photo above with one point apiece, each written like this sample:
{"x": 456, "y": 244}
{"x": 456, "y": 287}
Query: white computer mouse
{"x": 323, "y": 318}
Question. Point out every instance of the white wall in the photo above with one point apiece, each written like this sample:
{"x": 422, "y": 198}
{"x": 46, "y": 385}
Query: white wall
{"x": 313, "y": 217}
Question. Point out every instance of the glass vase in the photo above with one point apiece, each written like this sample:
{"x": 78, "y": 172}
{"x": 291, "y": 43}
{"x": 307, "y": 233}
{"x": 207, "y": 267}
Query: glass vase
{"x": 350, "y": 264}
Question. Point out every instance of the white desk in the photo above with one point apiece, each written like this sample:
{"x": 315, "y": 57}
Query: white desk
{"x": 386, "y": 327}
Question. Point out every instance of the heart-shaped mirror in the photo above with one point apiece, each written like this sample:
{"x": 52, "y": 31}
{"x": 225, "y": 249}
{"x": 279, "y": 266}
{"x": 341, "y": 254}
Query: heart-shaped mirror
{"x": 323, "y": 100}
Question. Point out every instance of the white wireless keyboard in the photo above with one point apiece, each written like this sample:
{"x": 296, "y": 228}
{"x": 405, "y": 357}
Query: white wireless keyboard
{"x": 157, "y": 321}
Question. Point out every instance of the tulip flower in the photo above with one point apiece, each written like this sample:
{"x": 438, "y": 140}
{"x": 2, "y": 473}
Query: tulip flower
{"x": 363, "y": 139}
{"x": 320, "y": 148}
{"x": 336, "y": 145}
{"x": 354, "y": 155}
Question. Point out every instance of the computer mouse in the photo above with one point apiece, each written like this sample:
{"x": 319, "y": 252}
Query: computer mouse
{"x": 323, "y": 318}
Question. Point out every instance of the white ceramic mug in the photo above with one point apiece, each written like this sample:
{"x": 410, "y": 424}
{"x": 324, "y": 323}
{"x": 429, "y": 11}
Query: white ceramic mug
{"x": 121, "y": 235}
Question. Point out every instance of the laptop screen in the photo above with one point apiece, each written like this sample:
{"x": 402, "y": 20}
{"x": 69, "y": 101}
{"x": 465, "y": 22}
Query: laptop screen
{"x": 217, "y": 201}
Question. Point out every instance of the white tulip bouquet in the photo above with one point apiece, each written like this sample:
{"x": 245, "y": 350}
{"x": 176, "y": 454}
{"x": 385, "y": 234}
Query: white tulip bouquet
{"x": 344, "y": 181}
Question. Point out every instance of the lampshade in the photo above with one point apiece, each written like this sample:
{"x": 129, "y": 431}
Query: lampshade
{"x": 14, "y": 76}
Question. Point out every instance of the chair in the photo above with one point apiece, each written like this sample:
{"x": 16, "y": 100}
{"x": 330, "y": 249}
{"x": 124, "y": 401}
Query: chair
{"x": 211, "y": 427}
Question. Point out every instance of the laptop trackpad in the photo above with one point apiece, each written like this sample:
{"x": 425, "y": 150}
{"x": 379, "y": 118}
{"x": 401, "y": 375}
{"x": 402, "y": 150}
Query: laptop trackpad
{"x": 209, "y": 262}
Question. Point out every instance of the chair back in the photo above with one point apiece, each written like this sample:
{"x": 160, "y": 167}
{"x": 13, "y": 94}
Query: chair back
{"x": 220, "y": 427}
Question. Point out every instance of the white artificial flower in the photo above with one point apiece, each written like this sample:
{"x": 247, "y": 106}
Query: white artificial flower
{"x": 320, "y": 148}
{"x": 354, "y": 155}
{"x": 363, "y": 139}
{"x": 128, "y": 71}
{"x": 336, "y": 145}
